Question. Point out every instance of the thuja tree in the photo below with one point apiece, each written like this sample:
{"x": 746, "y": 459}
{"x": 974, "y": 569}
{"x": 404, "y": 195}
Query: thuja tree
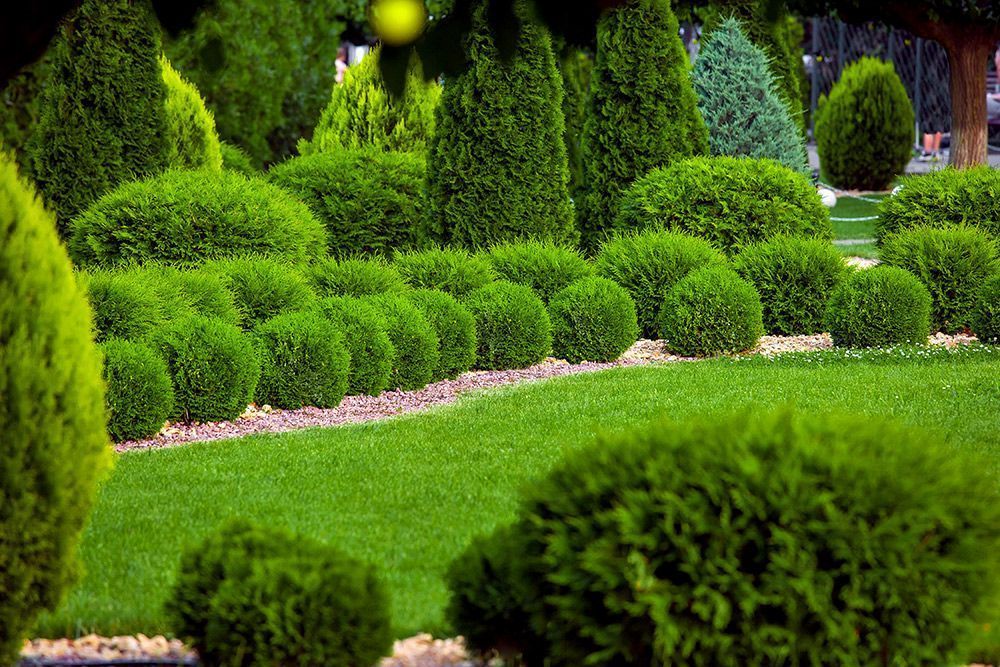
{"x": 576, "y": 66}
{"x": 643, "y": 110}
{"x": 497, "y": 163}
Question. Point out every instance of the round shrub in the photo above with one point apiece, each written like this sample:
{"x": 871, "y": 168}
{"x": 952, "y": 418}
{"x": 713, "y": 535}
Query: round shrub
{"x": 213, "y": 366}
{"x": 236, "y": 159}
{"x": 711, "y": 311}
{"x": 592, "y": 320}
{"x": 794, "y": 278}
{"x": 353, "y": 277}
{"x": 729, "y": 201}
{"x": 138, "y": 393}
{"x": 864, "y": 129}
{"x": 262, "y": 288}
{"x": 450, "y": 270}
{"x": 986, "y": 315}
{"x": 455, "y": 329}
{"x": 192, "y": 142}
{"x": 186, "y": 217}
{"x": 544, "y": 267}
{"x": 412, "y": 337}
{"x": 303, "y": 361}
{"x": 882, "y": 306}
{"x": 367, "y": 340}
{"x": 648, "y": 264}
{"x": 197, "y": 292}
{"x": 512, "y": 328}
{"x": 124, "y": 305}
{"x": 370, "y": 201}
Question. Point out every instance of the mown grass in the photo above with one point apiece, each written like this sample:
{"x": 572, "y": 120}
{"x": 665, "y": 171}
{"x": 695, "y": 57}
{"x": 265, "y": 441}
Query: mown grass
{"x": 408, "y": 494}
{"x": 849, "y": 207}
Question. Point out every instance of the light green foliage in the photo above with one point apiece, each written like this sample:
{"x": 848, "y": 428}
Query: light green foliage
{"x": 413, "y": 337}
{"x": 879, "y": 307}
{"x": 366, "y": 336}
{"x": 513, "y": 330}
{"x": 451, "y": 270}
{"x": 236, "y": 159}
{"x": 544, "y": 267}
{"x": 192, "y": 142}
{"x": 455, "y": 329}
{"x": 593, "y": 319}
{"x": 986, "y": 316}
{"x": 354, "y": 277}
{"x": 138, "y": 394}
{"x": 262, "y": 288}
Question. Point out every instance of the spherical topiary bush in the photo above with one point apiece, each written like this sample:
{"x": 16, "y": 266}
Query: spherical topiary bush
{"x": 366, "y": 337}
{"x": 139, "y": 395}
{"x": 711, "y": 311}
{"x": 187, "y": 217}
{"x": 795, "y": 278}
{"x": 236, "y": 159}
{"x": 450, "y": 270}
{"x": 455, "y": 328}
{"x": 986, "y": 315}
{"x": 648, "y": 264}
{"x": 192, "y": 142}
{"x": 729, "y": 201}
{"x": 864, "y": 129}
{"x": 125, "y": 305}
{"x": 261, "y": 287}
{"x": 354, "y": 277}
{"x": 195, "y": 292}
{"x": 213, "y": 365}
{"x": 592, "y": 320}
{"x": 371, "y": 202}
{"x": 513, "y": 330}
{"x": 878, "y": 307}
{"x": 412, "y": 337}
{"x": 544, "y": 267}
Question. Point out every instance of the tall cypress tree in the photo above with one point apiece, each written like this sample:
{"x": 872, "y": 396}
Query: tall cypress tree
{"x": 643, "y": 111}
{"x": 497, "y": 165}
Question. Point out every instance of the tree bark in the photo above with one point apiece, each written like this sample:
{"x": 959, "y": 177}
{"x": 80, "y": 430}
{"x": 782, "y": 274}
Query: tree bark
{"x": 967, "y": 58}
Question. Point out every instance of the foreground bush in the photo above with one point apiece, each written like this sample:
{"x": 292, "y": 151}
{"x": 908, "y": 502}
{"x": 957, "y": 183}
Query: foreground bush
{"x": 139, "y": 395}
{"x": 512, "y": 328}
{"x": 455, "y": 329}
{"x": 192, "y": 142}
{"x": 262, "y": 288}
{"x": 544, "y": 267}
{"x": 412, "y": 337}
{"x": 124, "y": 305}
{"x": 367, "y": 341}
{"x": 353, "y": 277}
{"x": 592, "y": 320}
{"x": 450, "y": 270}
{"x": 879, "y": 307}
{"x": 986, "y": 315}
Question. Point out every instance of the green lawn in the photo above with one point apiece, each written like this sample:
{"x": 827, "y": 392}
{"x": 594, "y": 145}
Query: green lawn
{"x": 409, "y": 493}
{"x": 848, "y": 207}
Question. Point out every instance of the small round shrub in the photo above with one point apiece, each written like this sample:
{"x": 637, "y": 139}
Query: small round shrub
{"x": 192, "y": 142}
{"x": 261, "y": 287}
{"x": 236, "y": 159}
{"x": 303, "y": 361}
{"x": 986, "y": 315}
{"x": 877, "y": 307}
{"x": 455, "y": 328}
{"x": 512, "y": 328}
{"x": 198, "y": 292}
{"x": 412, "y": 337}
{"x": 367, "y": 340}
{"x": 544, "y": 267}
{"x": 795, "y": 278}
{"x": 711, "y": 311}
{"x": 728, "y": 201}
{"x": 138, "y": 393}
{"x": 354, "y": 277}
{"x": 952, "y": 263}
{"x": 186, "y": 217}
{"x": 453, "y": 271}
{"x": 648, "y": 264}
{"x": 124, "y": 305}
{"x": 371, "y": 202}
{"x": 592, "y": 320}
{"x": 213, "y": 365}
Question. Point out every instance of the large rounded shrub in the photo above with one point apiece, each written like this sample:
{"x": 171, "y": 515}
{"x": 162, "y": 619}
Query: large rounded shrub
{"x": 711, "y": 311}
{"x": 513, "y": 330}
{"x": 124, "y": 304}
{"x": 262, "y": 287}
{"x": 139, "y": 395}
{"x": 51, "y": 416}
{"x": 864, "y": 129}
{"x": 986, "y": 316}
{"x": 413, "y": 338}
{"x": 354, "y": 277}
{"x": 879, "y": 307}
{"x": 648, "y": 264}
{"x": 371, "y": 202}
{"x": 731, "y": 202}
{"x": 450, "y": 270}
{"x": 592, "y": 320}
{"x": 187, "y": 217}
{"x": 455, "y": 328}
{"x": 795, "y": 278}
{"x": 192, "y": 142}
{"x": 545, "y": 267}
{"x": 366, "y": 337}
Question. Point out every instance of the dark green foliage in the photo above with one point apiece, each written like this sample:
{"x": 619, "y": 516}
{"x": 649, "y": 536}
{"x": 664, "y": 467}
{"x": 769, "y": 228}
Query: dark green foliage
{"x": 879, "y": 307}
{"x": 303, "y": 362}
{"x": 236, "y": 159}
{"x": 497, "y": 165}
{"x": 213, "y": 366}
{"x": 986, "y": 316}
{"x": 729, "y": 201}
{"x": 648, "y": 264}
{"x": 952, "y": 263}
{"x": 513, "y": 329}
{"x": 20, "y": 108}
{"x": 187, "y": 217}
{"x": 103, "y": 119}
{"x": 544, "y": 267}
{"x": 864, "y": 130}
{"x": 576, "y": 67}
{"x": 262, "y": 288}
{"x": 450, "y": 270}
{"x": 354, "y": 277}
{"x": 455, "y": 329}
{"x": 795, "y": 278}
{"x": 51, "y": 416}
{"x": 125, "y": 305}
{"x": 139, "y": 395}
{"x": 192, "y": 140}
{"x": 371, "y": 202}
{"x": 711, "y": 311}
{"x": 643, "y": 110}
{"x": 413, "y": 338}
{"x": 366, "y": 337}
{"x": 592, "y": 320}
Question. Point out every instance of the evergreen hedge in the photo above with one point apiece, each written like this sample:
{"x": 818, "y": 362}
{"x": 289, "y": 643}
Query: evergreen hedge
{"x": 124, "y": 304}
{"x": 879, "y": 307}
{"x": 262, "y": 288}
{"x": 986, "y": 316}
{"x": 545, "y": 267}
{"x": 138, "y": 392}
{"x": 192, "y": 142}
{"x": 354, "y": 277}
{"x": 416, "y": 344}
{"x": 450, "y": 270}
{"x": 513, "y": 330}
{"x": 576, "y": 67}
{"x": 366, "y": 337}
{"x": 593, "y": 319}
{"x": 455, "y": 329}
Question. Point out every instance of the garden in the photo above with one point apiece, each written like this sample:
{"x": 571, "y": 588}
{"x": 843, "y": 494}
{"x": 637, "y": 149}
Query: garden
{"x": 524, "y": 339}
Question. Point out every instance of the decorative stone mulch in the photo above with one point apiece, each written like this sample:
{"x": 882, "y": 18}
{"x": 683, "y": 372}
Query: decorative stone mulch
{"x": 92, "y": 649}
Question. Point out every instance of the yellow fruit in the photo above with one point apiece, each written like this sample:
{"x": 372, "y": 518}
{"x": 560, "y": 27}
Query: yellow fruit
{"x": 398, "y": 22}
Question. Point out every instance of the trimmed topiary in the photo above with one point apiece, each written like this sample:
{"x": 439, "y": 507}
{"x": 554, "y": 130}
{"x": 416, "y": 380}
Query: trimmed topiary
{"x": 450, "y": 270}
{"x": 544, "y": 267}
{"x": 412, "y": 337}
{"x": 236, "y": 159}
{"x": 187, "y": 217}
{"x": 986, "y": 315}
{"x": 52, "y": 418}
{"x": 643, "y": 110}
{"x": 795, "y": 278}
{"x": 371, "y": 202}
{"x": 455, "y": 328}
{"x": 139, "y": 395}
{"x": 366, "y": 337}
{"x": 592, "y": 320}
{"x": 649, "y": 264}
{"x": 213, "y": 366}
{"x": 507, "y": 144}
{"x": 877, "y": 307}
{"x": 354, "y": 277}
{"x": 864, "y": 130}
{"x": 194, "y": 292}
{"x": 124, "y": 304}
{"x": 513, "y": 329}
{"x": 729, "y": 201}
{"x": 192, "y": 142}
{"x": 303, "y": 362}
{"x": 262, "y": 287}
{"x": 711, "y": 311}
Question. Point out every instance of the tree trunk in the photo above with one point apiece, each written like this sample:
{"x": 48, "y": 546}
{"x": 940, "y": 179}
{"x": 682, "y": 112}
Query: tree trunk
{"x": 967, "y": 57}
